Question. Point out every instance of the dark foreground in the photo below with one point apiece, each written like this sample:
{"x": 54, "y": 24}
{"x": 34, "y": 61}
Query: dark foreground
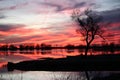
{"x": 115, "y": 76}
{"x": 76, "y": 63}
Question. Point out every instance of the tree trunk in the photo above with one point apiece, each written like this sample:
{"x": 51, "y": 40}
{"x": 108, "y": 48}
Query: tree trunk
{"x": 87, "y": 75}
{"x": 86, "y": 49}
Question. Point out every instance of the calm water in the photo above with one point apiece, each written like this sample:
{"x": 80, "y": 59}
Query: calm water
{"x": 17, "y": 56}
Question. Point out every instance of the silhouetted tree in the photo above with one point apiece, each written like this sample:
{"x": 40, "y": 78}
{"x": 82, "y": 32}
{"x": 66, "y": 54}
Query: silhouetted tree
{"x": 43, "y": 45}
{"x": 46, "y": 46}
{"x": 69, "y": 46}
{"x": 89, "y": 26}
{"x": 31, "y": 47}
{"x": 21, "y": 47}
{"x": 37, "y": 47}
{"x": 112, "y": 46}
{"x": 4, "y": 47}
{"x": 12, "y": 47}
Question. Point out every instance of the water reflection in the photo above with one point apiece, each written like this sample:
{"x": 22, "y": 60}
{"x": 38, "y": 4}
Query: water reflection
{"x": 6, "y": 56}
{"x": 42, "y": 75}
{"x": 16, "y": 56}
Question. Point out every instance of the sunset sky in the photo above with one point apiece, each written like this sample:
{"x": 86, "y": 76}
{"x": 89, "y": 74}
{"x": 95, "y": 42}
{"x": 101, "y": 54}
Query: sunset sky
{"x": 49, "y": 21}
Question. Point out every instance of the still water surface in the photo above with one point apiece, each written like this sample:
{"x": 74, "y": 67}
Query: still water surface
{"x": 17, "y": 56}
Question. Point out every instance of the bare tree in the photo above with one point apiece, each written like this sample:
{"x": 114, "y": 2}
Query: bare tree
{"x": 88, "y": 25}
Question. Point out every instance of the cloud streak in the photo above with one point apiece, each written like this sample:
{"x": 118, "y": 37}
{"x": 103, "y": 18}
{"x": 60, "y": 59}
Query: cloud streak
{"x": 61, "y": 7}
{"x": 111, "y": 15}
{"x": 2, "y": 16}
{"x": 17, "y": 6}
{"x": 8, "y": 27}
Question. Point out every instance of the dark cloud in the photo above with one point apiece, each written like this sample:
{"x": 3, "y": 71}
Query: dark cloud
{"x": 14, "y": 6}
{"x": 2, "y": 16}
{"x": 16, "y": 39}
{"x": 92, "y": 4}
{"x": 79, "y": 5}
{"x": 61, "y": 7}
{"x": 116, "y": 28}
{"x": 111, "y": 15}
{"x": 7, "y": 27}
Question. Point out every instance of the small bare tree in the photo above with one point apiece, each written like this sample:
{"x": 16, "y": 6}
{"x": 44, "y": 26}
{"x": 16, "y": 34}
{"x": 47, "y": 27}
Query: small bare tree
{"x": 88, "y": 25}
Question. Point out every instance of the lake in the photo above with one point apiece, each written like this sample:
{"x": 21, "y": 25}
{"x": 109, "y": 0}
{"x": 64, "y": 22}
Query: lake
{"x": 17, "y": 56}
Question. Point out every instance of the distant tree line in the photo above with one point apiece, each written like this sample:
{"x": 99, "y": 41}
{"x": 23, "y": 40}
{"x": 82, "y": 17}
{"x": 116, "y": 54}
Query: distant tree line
{"x": 25, "y": 47}
{"x": 43, "y": 46}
